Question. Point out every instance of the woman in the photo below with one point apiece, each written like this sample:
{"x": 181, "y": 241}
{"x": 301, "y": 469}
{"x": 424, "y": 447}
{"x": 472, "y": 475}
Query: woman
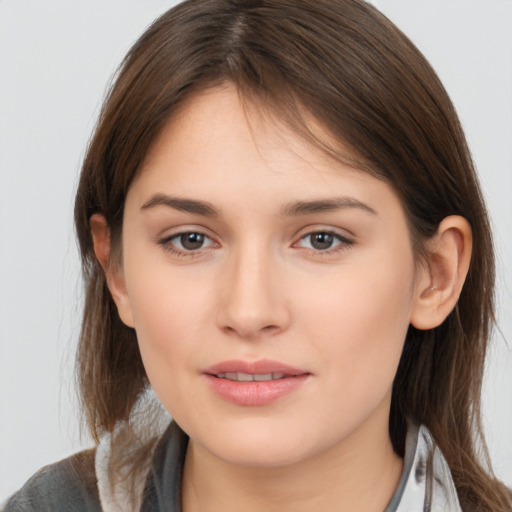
{"x": 301, "y": 163}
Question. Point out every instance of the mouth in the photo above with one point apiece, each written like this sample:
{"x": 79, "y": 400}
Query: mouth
{"x": 254, "y": 383}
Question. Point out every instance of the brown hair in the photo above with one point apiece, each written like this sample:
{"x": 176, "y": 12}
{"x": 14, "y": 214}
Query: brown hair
{"x": 345, "y": 63}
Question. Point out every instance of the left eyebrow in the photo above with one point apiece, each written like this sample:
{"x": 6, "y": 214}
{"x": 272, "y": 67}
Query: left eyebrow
{"x": 324, "y": 205}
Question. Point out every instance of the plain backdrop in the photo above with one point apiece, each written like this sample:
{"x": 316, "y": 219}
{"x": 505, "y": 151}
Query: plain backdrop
{"x": 56, "y": 58}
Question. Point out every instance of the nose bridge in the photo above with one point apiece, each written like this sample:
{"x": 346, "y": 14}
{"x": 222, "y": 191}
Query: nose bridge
{"x": 252, "y": 298}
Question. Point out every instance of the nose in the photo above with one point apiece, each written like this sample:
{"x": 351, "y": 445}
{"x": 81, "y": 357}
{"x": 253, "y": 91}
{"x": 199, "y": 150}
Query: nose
{"x": 252, "y": 298}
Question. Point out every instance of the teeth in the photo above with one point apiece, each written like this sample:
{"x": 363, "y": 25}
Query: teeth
{"x": 244, "y": 377}
{"x": 265, "y": 376}
{"x": 249, "y": 377}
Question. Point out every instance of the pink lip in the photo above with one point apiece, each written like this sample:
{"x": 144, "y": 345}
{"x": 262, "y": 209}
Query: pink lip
{"x": 254, "y": 393}
{"x": 262, "y": 366}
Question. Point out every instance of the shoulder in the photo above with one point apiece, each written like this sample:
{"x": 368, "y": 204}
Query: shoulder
{"x": 68, "y": 485}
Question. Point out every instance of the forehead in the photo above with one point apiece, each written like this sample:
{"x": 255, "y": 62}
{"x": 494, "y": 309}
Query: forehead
{"x": 222, "y": 110}
{"x": 217, "y": 144}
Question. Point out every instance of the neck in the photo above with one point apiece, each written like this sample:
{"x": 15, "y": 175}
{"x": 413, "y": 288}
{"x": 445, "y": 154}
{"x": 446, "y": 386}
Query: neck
{"x": 359, "y": 474}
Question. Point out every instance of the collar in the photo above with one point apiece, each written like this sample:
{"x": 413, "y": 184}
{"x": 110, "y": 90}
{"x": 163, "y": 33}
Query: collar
{"x": 426, "y": 484}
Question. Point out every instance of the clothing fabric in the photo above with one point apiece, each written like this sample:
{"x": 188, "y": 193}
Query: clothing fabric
{"x": 81, "y": 483}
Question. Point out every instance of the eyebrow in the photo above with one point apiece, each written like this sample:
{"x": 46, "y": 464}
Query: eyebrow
{"x": 324, "y": 205}
{"x": 183, "y": 205}
{"x": 293, "y": 209}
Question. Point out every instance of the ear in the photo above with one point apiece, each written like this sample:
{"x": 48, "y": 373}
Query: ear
{"x": 113, "y": 270}
{"x": 440, "y": 279}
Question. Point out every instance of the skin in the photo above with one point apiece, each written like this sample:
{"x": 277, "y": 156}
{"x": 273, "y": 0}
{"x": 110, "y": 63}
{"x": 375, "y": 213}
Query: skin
{"x": 259, "y": 288}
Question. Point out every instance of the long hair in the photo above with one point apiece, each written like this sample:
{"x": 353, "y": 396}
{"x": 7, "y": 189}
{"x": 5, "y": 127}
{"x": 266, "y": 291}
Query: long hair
{"x": 347, "y": 65}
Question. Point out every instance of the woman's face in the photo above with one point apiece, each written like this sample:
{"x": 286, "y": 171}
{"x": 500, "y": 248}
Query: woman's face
{"x": 270, "y": 286}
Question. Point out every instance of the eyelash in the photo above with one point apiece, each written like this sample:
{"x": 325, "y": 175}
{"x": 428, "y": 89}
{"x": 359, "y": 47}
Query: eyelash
{"x": 169, "y": 246}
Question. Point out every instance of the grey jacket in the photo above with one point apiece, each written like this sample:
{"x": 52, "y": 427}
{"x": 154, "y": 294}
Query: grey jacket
{"x": 79, "y": 483}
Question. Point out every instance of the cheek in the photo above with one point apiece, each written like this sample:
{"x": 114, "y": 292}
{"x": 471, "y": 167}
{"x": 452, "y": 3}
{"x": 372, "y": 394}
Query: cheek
{"x": 170, "y": 335}
{"x": 358, "y": 324}
{"x": 168, "y": 309}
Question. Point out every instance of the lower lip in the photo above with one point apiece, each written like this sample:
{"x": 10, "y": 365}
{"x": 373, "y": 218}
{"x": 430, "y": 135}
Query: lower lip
{"x": 255, "y": 393}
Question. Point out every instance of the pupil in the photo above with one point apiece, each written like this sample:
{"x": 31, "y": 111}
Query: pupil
{"x": 191, "y": 241}
{"x": 322, "y": 240}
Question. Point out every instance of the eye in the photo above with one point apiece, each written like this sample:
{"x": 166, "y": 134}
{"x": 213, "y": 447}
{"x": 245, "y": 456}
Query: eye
{"x": 187, "y": 242}
{"x": 324, "y": 241}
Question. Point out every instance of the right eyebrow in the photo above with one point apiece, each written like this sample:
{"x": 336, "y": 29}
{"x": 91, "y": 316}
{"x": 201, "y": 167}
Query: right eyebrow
{"x": 183, "y": 205}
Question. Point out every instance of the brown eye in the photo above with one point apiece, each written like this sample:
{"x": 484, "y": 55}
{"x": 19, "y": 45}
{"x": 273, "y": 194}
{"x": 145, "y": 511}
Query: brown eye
{"x": 321, "y": 241}
{"x": 187, "y": 243}
{"x": 191, "y": 241}
{"x": 324, "y": 242}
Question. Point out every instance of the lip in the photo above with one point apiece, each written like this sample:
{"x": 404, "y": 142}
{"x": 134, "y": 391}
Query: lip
{"x": 254, "y": 393}
{"x": 261, "y": 366}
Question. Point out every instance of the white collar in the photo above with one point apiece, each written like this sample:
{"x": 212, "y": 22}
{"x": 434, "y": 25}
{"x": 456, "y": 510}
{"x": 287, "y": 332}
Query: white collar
{"x": 426, "y": 483}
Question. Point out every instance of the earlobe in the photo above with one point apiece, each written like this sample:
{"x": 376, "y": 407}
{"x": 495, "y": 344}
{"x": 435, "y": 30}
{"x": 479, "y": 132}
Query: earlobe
{"x": 113, "y": 272}
{"x": 442, "y": 276}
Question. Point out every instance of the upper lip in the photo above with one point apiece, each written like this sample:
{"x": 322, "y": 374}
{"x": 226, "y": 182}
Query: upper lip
{"x": 261, "y": 367}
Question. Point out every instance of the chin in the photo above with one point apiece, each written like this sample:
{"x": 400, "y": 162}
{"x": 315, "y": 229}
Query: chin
{"x": 270, "y": 456}
{"x": 259, "y": 445}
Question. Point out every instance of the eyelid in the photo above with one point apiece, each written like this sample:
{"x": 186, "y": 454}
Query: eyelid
{"x": 337, "y": 231}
